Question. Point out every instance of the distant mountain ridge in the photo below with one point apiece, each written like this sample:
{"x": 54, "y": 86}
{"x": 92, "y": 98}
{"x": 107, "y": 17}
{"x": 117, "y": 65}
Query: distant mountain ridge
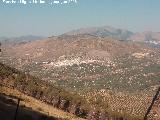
{"x": 150, "y": 37}
{"x": 120, "y": 34}
{"x": 105, "y": 31}
{"x": 26, "y": 38}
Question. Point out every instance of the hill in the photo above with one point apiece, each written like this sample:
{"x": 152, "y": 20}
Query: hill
{"x": 84, "y": 46}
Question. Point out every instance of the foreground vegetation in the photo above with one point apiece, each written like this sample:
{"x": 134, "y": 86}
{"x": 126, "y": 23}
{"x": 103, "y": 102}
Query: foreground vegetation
{"x": 30, "y": 108}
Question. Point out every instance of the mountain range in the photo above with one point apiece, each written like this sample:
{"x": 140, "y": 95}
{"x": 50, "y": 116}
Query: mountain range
{"x": 104, "y": 31}
{"x": 120, "y": 34}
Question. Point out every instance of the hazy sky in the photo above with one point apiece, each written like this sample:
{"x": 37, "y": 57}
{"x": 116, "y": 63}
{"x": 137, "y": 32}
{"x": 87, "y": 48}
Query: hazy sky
{"x": 47, "y": 20}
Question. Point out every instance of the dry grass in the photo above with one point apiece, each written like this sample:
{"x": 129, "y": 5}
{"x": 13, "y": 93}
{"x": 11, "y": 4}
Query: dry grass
{"x": 37, "y": 105}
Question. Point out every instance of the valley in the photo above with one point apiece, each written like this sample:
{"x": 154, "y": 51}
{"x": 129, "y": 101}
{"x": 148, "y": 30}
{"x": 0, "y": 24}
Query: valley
{"x": 117, "y": 75}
